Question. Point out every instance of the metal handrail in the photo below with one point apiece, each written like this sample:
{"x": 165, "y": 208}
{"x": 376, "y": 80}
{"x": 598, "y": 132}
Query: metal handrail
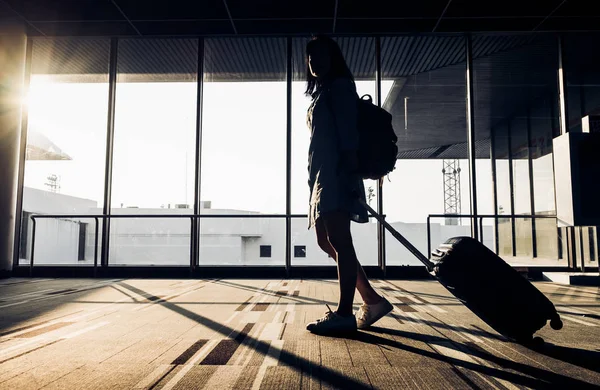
{"x": 104, "y": 217}
{"x": 199, "y": 216}
{"x": 481, "y": 217}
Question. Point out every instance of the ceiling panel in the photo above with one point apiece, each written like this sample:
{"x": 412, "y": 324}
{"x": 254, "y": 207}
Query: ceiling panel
{"x": 488, "y": 24}
{"x": 283, "y": 26}
{"x": 244, "y": 9}
{"x": 63, "y": 10}
{"x": 173, "y": 9}
{"x": 74, "y": 29}
{"x": 383, "y": 26}
{"x": 504, "y": 8}
{"x": 6, "y": 12}
{"x": 583, "y": 23}
{"x": 204, "y": 27}
{"x": 579, "y": 8}
{"x": 391, "y": 9}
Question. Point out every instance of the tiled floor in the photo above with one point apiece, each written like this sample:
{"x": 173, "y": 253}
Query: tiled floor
{"x": 250, "y": 334}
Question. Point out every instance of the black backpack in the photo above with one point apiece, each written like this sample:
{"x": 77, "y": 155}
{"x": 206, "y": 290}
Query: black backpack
{"x": 377, "y": 151}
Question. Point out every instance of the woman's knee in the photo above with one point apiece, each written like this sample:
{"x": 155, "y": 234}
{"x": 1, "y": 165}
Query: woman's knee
{"x": 324, "y": 244}
{"x": 322, "y": 239}
{"x": 338, "y": 230}
{"x": 340, "y": 240}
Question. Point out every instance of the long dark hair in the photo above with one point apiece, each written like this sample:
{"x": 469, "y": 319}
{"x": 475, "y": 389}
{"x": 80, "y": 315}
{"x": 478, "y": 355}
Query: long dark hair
{"x": 338, "y": 67}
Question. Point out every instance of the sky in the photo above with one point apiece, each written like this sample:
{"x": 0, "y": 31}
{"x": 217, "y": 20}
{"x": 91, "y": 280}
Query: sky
{"x": 243, "y": 154}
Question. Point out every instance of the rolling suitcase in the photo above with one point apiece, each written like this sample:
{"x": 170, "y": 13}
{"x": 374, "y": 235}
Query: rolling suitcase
{"x": 487, "y": 285}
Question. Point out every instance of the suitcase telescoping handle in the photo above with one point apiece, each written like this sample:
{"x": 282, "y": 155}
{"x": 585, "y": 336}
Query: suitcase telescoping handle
{"x": 422, "y": 258}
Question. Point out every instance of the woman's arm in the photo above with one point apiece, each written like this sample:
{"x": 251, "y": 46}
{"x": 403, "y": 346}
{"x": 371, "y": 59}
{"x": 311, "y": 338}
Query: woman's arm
{"x": 344, "y": 110}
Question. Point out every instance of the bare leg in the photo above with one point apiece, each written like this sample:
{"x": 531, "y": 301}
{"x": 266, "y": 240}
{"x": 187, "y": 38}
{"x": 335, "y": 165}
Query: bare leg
{"x": 337, "y": 225}
{"x": 366, "y": 291}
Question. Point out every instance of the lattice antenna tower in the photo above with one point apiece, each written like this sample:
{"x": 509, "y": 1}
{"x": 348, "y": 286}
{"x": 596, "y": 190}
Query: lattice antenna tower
{"x": 53, "y": 182}
{"x": 451, "y": 172}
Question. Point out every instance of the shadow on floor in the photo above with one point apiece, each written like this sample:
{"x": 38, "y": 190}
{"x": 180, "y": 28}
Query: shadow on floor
{"x": 525, "y": 376}
{"x": 520, "y": 374}
{"x": 30, "y": 305}
{"x": 324, "y": 374}
{"x": 300, "y": 299}
{"x": 579, "y": 357}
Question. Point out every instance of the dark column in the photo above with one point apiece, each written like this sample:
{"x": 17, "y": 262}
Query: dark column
{"x": 110, "y": 132}
{"x": 288, "y": 162}
{"x": 471, "y": 136}
{"x": 13, "y": 52}
{"x": 494, "y": 186}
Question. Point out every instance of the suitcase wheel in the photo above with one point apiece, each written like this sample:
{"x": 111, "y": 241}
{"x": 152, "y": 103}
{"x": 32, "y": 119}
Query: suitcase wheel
{"x": 537, "y": 342}
{"x": 556, "y": 323}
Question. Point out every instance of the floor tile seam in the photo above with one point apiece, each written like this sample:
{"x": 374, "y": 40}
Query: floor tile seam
{"x": 125, "y": 348}
{"x": 78, "y": 317}
{"x": 49, "y": 336}
{"x": 30, "y": 351}
{"x": 82, "y": 287}
{"x": 250, "y": 346}
{"x": 271, "y": 360}
{"x": 27, "y": 295}
{"x": 185, "y": 368}
{"x": 65, "y": 337}
{"x": 165, "y": 351}
{"x": 255, "y": 298}
{"x": 60, "y": 377}
{"x": 151, "y": 380}
{"x": 9, "y": 333}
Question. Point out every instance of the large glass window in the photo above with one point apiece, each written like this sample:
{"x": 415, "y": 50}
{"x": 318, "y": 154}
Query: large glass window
{"x": 581, "y": 54}
{"x": 544, "y": 127}
{"x": 504, "y": 226}
{"x": 243, "y": 166}
{"x": 427, "y": 101}
{"x": 515, "y": 89}
{"x": 242, "y": 241}
{"x": 154, "y": 150}
{"x": 243, "y": 134}
{"x": 521, "y": 186}
{"x": 65, "y": 154}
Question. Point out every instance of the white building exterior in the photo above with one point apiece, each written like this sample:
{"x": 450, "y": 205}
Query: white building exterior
{"x": 223, "y": 241}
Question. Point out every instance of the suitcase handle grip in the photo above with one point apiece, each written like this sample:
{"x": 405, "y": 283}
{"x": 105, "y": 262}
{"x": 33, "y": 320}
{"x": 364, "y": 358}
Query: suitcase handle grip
{"x": 421, "y": 257}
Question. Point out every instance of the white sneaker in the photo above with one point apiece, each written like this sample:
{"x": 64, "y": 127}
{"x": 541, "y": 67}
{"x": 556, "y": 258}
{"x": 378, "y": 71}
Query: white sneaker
{"x": 332, "y": 323}
{"x": 369, "y": 314}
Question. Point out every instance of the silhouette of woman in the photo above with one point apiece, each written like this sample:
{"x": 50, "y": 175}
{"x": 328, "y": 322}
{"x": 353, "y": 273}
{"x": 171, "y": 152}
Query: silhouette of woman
{"x": 334, "y": 184}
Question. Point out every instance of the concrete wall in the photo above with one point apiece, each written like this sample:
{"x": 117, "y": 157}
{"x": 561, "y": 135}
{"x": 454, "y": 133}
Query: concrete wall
{"x": 57, "y": 240}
